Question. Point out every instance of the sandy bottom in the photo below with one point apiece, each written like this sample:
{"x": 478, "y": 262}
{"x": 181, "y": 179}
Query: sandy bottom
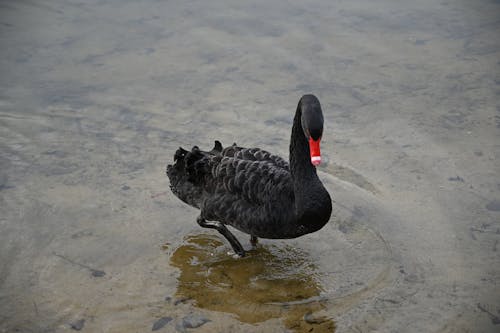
{"x": 95, "y": 96}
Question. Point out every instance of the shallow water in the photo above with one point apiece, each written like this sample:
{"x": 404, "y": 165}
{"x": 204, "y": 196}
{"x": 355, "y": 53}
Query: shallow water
{"x": 96, "y": 96}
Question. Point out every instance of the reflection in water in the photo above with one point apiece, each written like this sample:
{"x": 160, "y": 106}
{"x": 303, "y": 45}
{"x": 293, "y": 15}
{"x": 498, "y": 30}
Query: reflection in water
{"x": 267, "y": 283}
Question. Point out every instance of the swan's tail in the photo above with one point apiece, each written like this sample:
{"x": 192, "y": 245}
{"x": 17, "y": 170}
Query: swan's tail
{"x": 188, "y": 172}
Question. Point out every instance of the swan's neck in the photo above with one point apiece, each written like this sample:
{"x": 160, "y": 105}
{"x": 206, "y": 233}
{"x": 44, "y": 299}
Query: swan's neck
{"x": 300, "y": 161}
{"x": 312, "y": 201}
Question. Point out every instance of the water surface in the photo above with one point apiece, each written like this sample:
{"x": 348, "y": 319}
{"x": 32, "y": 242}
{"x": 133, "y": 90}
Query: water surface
{"x": 96, "y": 96}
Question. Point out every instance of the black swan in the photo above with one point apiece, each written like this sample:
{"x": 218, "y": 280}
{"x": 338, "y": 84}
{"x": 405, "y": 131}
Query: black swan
{"x": 255, "y": 191}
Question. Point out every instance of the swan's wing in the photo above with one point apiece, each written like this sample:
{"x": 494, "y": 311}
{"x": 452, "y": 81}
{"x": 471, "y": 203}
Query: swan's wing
{"x": 255, "y": 154}
{"x": 255, "y": 181}
{"x": 253, "y": 175}
{"x": 189, "y": 172}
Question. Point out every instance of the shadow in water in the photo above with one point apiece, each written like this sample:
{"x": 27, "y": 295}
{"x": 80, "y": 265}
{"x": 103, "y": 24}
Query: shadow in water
{"x": 268, "y": 283}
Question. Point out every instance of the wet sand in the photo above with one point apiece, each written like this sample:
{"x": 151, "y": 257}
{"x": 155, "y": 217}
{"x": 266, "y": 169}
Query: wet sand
{"x": 96, "y": 96}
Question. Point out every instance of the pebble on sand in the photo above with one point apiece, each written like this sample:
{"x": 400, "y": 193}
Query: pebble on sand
{"x": 160, "y": 323}
{"x": 191, "y": 321}
{"x": 77, "y": 325}
{"x": 194, "y": 321}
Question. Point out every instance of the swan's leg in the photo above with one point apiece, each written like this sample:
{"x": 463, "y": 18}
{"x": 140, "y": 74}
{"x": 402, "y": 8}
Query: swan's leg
{"x": 254, "y": 240}
{"x": 225, "y": 232}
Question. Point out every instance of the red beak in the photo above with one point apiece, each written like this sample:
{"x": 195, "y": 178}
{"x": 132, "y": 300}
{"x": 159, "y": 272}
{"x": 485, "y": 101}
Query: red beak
{"x": 315, "y": 152}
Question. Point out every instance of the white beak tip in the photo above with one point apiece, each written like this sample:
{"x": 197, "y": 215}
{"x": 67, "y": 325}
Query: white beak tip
{"x": 315, "y": 160}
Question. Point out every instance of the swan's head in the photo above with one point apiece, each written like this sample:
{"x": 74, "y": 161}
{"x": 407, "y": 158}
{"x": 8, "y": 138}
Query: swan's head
{"x": 312, "y": 125}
